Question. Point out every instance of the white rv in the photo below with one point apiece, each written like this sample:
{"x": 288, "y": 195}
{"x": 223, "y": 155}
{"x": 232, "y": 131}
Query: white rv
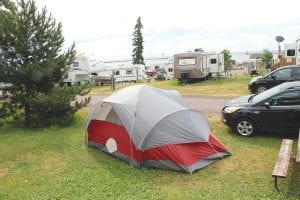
{"x": 79, "y": 70}
{"x": 120, "y": 74}
{"x": 215, "y": 63}
{"x": 192, "y": 66}
{"x": 169, "y": 69}
{"x": 290, "y": 52}
{"x": 298, "y": 50}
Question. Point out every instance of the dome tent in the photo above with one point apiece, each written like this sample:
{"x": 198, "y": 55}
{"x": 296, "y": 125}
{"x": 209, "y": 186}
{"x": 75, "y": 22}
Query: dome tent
{"x": 152, "y": 127}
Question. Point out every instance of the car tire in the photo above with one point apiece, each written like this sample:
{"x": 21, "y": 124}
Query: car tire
{"x": 245, "y": 127}
{"x": 260, "y": 88}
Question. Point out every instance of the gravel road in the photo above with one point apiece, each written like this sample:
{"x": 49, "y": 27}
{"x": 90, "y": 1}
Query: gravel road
{"x": 203, "y": 104}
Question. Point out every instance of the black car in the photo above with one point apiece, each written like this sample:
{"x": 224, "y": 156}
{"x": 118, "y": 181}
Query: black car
{"x": 274, "y": 110}
{"x": 283, "y": 74}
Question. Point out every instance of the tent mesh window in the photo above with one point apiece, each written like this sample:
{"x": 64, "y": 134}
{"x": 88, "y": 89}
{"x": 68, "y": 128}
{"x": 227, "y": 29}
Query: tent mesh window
{"x": 105, "y": 112}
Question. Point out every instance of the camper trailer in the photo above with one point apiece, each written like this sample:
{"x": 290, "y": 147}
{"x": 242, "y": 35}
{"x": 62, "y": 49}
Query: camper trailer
{"x": 290, "y": 53}
{"x": 169, "y": 69}
{"x": 78, "y": 71}
{"x": 193, "y": 66}
{"x": 120, "y": 74}
{"x": 298, "y": 50}
{"x": 215, "y": 63}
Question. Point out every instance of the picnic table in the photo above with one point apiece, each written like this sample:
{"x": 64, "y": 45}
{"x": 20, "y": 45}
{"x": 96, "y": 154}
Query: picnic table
{"x": 282, "y": 163}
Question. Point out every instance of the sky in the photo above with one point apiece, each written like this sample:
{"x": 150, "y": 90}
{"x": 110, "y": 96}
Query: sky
{"x": 102, "y": 29}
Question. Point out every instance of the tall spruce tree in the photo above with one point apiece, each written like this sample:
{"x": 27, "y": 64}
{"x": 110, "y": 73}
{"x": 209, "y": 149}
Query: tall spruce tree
{"x": 32, "y": 61}
{"x": 137, "y": 53}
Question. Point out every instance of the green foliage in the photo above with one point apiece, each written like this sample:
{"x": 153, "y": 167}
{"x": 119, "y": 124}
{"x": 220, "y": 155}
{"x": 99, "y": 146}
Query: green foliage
{"x": 228, "y": 61}
{"x": 137, "y": 43}
{"x": 55, "y": 107}
{"x": 267, "y": 57}
{"x": 31, "y": 59}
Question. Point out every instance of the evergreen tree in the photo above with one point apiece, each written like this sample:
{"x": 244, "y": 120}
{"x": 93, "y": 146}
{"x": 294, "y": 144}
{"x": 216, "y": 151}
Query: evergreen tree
{"x": 228, "y": 61}
{"x": 137, "y": 53}
{"x": 32, "y": 60}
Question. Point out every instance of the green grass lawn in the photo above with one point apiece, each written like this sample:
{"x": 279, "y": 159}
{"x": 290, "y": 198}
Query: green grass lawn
{"x": 227, "y": 87}
{"x": 54, "y": 163}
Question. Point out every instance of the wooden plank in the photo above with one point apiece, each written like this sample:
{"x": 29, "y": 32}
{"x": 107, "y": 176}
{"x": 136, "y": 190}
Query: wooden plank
{"x": 282, "y": 164}
{"x": 298, "y": 149}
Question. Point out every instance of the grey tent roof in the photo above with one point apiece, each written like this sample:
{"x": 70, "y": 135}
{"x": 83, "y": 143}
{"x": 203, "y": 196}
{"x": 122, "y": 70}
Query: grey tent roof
{"x": 155, "y": 117}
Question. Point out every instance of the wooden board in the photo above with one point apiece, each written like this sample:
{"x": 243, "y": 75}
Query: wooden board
{"x": 298, "y": 149}
{"x": 282, "y": 164}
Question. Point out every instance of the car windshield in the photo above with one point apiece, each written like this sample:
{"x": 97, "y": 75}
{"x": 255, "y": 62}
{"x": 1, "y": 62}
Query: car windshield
{"x": 264, "y": 95}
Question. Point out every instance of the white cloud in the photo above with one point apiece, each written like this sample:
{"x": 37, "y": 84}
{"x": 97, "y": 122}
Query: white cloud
{"x": 104, "y": 28}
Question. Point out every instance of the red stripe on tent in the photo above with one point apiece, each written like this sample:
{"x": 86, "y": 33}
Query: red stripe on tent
{"x": 185, "y": 153}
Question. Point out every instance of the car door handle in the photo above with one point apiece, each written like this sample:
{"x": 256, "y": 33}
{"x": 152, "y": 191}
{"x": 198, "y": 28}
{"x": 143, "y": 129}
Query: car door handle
{"x": 256, "y": 112}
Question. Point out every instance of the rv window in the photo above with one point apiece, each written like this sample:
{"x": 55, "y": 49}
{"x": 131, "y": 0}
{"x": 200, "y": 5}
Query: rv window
{"x": 290, "y": 52}
{"x": 213, "y": 61}
{"x": 129, "y": 71}
{"x": 75, "y": 65}
{"x": 117, "y": 73}
{"x": 170, "y": 69}
{"x": 187, "y": 61}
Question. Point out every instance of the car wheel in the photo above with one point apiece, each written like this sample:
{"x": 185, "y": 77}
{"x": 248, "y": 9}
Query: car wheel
{"x": 260, "y": 88}
{"x": 245, "y": 127}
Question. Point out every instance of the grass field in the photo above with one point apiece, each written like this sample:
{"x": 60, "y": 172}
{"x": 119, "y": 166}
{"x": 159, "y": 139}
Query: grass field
{"x": 235, "y": 86}
{"x": 54, "y": 163}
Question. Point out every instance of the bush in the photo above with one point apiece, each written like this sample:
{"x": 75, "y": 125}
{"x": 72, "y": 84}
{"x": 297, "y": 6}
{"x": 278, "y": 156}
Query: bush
{"x": 57, "y": 107}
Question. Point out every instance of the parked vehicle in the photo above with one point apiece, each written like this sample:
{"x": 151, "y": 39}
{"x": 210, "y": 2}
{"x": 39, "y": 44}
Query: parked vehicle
{"x": 120, "y": 74}
{"x": 298, "y": 50}
{"x": 4, "y": 85}
{"x": 261, "y": 83}
{"x": 274, "y": 110}
{"x": 192, "y": 66}
{"x": 78, "y": 71}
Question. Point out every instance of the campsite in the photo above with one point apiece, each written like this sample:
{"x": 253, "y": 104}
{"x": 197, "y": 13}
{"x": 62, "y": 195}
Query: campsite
{"x": 54, "y": 163}
{"x": 137, "y": 100}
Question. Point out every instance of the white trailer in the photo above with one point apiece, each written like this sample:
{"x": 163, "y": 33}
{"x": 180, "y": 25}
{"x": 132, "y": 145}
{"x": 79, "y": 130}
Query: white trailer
{"x": 298, "y": 50}
{"x": 129, "y": 74}
{"x": 169, "y": 69}
{"x": 120, "y": 74}
{"x": 79, "y": 71}
{"x": 215, "y": 63}
{"x": 290, "y": 53}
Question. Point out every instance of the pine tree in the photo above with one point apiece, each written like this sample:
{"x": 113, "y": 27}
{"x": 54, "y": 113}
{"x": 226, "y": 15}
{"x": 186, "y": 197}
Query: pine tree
{"x": 32, "y": 60}
{"x": 137, "y": 53}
